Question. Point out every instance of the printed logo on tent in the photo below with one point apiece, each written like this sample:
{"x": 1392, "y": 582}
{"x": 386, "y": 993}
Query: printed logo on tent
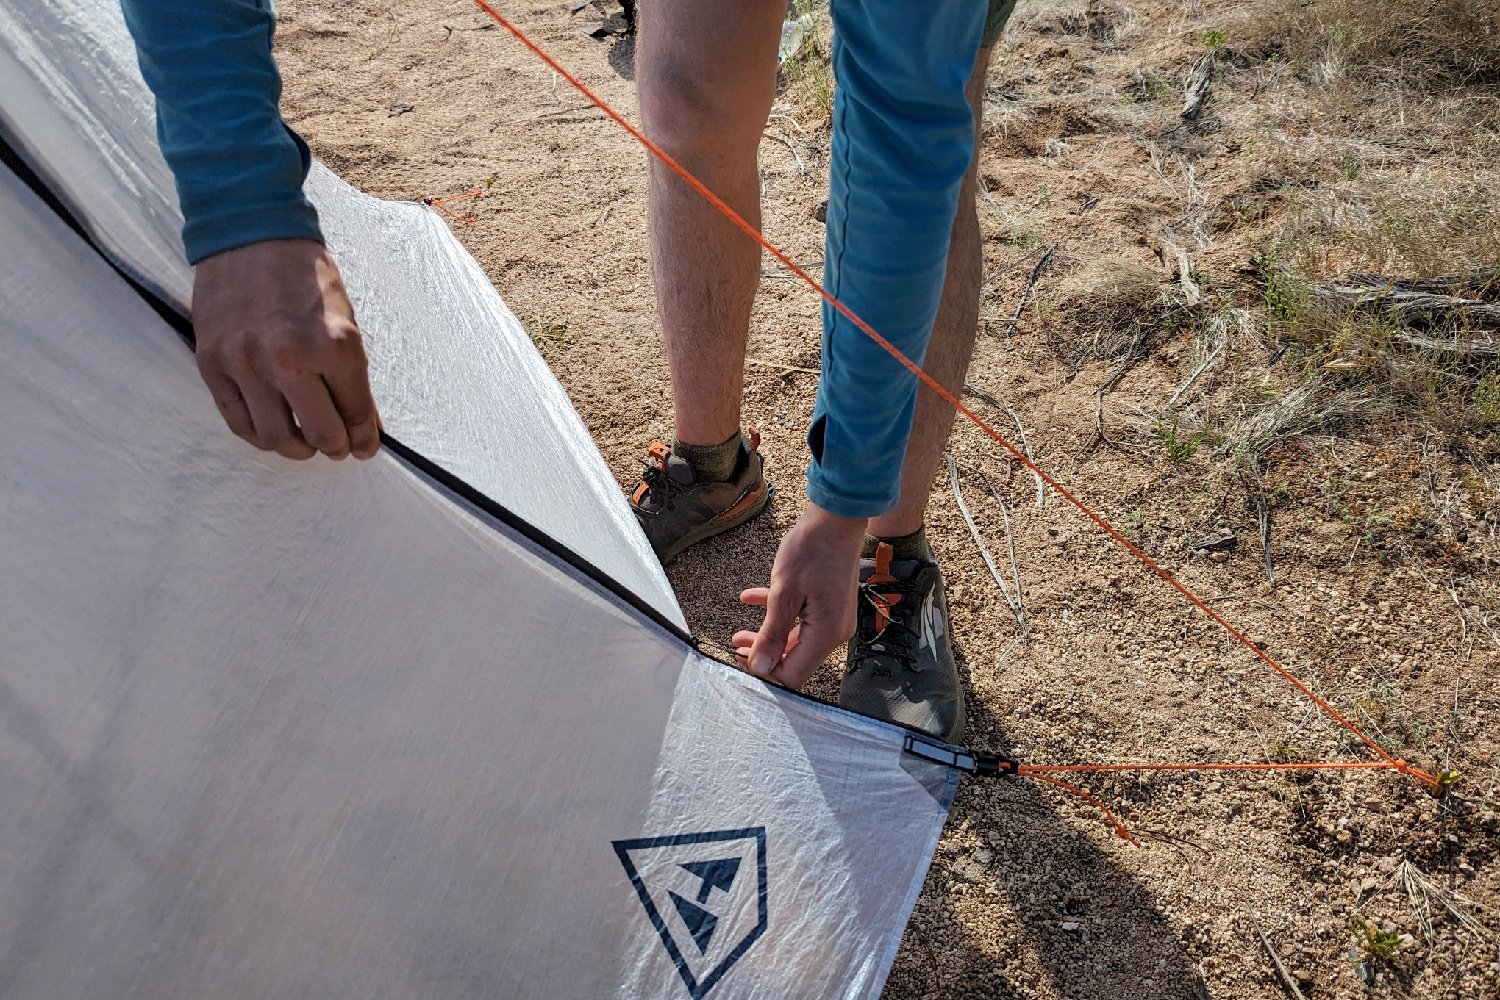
{"x": 705, "y": 893}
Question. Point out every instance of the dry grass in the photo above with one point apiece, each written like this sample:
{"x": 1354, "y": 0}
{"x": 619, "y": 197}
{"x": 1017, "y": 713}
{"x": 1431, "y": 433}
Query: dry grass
{"x": 1107, "y": 304}
{"x": 808, "y": 75}
{"x": 1432, "y": 367}
{"x": 1369, "y": 152}
{"x": 1433, "y": 41}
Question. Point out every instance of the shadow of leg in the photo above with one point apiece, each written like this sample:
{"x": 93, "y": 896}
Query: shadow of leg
{"x": 1021, "y": 902}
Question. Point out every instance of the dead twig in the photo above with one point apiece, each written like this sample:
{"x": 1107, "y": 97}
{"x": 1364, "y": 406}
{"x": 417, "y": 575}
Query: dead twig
{"x": 1263, "y": 515}
{"x": 1147, "y": 339}
{"x": 989, "y": 282}
{"x": 1481, "y": 283}
{"x": 801, "y": 167}
{"x": 1013, "y": 601}
{"x": 1041, "y": 487}
{"x": 1411, "y": 305}
{"x": 545, "y": 115}
{"x": 786, "y": 368}
{"x": 487, "y": 26}
{"x": 604, "y": 213}
{"x": 1171, "y": 838}
{"x": 1105, "y": 388}
{"x": 1191, "y": 293}
{"x": 796, "y": 125}
{"x": 1197, "y": 374}
{"x": 1010, "y": 542}
{"x": 783, "y": 274}
{"x": 1036, "y": 273}
{"x": 1467, "y": 348}
{"x": 1004, "y": 653}
{"x": 1255, "y": 488}
{"x": 1281, "y": 973}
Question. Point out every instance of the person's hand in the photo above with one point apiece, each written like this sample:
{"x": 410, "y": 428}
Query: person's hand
{"x": 810, "y": 605}
{"x": 280, "y": 351}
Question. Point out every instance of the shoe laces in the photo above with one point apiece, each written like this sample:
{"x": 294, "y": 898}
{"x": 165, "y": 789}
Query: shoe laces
{"x": 660, "y": 487}
{"x": 885, "y": 629}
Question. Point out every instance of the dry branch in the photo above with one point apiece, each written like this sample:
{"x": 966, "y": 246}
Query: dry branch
{"x": 1196, "y": 87}
{"x": 1416, "y": 308}
{"x": 1041, "y": 487}
{"x": 786, "y": 368}
{"x": 1013, "y": 601}
{"x": 1481, "y": 283}
{"x": 989, "y": 282}
{"x": 1197, "y": 374}
{"x": 1467, "y": 348}
{"x": 1010, "y": 543}
{"x": 1036, "y": 272}
{"x": 1263, "y": 516}
{"x": 1138, "y": 352}
{"x": 1281, "y": 973}
{"x": 801, "y": 167}
{"x": 1191, "y": 293}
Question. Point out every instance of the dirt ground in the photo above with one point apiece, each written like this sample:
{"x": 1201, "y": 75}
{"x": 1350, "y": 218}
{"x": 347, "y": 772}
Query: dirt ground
{"x": 1383, "y": 543}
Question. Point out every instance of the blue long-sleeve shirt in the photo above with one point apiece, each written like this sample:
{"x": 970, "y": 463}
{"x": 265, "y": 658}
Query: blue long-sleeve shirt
{"x": 239, "y": 169}
{"x": 903, "y": 138}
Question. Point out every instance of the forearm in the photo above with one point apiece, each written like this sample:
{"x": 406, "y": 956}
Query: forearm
{"x": 903, "y": 139}
{"x": 239, "y": 169}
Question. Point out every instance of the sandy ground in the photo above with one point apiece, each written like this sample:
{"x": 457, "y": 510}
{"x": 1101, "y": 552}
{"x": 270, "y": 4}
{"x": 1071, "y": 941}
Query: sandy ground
{"x": 1030, "y": 894}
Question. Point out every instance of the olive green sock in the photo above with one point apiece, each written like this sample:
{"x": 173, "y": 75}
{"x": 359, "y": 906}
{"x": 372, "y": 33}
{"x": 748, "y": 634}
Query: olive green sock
{"x": 712, "y": 463}
{"x": 912, "y": 546}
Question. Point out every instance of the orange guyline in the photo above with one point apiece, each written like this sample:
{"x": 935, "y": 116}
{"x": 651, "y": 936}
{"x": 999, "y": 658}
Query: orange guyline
{"x": 1036, "y": 772}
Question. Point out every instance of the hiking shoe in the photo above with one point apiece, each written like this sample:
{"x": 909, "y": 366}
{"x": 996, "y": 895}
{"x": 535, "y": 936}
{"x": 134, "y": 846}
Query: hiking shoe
{"x": 901, "y": 658}
{"x": 675, "y": 510}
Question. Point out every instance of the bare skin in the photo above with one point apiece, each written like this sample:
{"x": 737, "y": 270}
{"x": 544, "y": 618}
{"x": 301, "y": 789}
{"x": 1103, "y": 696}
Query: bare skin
{"x": 280, "y": 351}
{"x": 811, "y": 602}
{"x": 706, "y": 70}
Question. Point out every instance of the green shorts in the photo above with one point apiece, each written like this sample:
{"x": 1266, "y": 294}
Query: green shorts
{"x": 994, "y": 22}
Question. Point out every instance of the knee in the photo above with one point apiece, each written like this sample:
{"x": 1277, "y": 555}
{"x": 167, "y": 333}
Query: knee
{"x": 695, "y": 118}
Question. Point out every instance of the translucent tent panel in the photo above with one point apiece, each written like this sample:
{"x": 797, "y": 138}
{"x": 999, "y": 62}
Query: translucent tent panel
{"x": 272, "y": 730}
{"x": 455, "y": 374}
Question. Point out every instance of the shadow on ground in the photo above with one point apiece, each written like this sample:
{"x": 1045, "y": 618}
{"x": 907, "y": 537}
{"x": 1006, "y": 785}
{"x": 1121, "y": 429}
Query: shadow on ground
{"x": 1010, "y": 862}
{"x": 622, "y": 57}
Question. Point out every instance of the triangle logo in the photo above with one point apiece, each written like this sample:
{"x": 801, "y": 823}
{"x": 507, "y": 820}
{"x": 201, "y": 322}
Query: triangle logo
{"x": 706, "y": 896}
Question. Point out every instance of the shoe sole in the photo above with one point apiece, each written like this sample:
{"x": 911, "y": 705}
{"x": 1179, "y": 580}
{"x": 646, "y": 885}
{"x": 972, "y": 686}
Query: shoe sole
{"x": 709, "y": 529}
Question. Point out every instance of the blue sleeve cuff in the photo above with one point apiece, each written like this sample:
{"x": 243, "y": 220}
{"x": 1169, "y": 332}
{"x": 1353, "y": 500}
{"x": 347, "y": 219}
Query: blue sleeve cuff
{"x": 845, "y": 504}
{"x": 207, "y": 236}
{"x": 265, "y": 202}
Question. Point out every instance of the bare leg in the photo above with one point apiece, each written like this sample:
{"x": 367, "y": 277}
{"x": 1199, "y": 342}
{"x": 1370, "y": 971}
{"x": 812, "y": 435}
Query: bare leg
{"x": 707, "y": 77}
{"x": 949, "y": 350}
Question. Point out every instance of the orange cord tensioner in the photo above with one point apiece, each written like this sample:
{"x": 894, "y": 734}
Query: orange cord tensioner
{"x": 1043, "y": 773}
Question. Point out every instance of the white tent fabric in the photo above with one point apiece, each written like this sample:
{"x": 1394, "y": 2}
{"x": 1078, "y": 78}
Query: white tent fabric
{"x": 276, "y": 730}
{"x": 446, "y": 355}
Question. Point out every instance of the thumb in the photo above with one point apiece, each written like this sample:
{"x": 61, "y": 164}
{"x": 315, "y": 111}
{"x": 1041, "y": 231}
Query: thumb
{"x": 770, "y": 642}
